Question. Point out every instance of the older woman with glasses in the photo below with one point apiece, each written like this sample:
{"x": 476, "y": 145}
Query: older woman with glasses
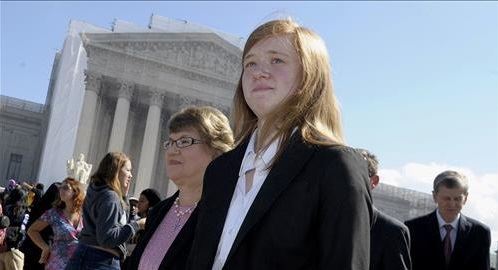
{"x": 197, "y": 135}
{"x": 65, "y": 220}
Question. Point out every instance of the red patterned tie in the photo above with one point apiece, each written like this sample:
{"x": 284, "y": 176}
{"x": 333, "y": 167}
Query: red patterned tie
{"x": 447, "y": 243}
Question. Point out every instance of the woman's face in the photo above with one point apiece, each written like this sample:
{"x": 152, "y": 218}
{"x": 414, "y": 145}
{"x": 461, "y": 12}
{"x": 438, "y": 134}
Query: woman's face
{"x": 186, "y": 165}
{"x": 143, "y": 205}
{"x": 66, "y": 192}
{"x": 124, "y": 176}
{"x": 271, "y": 70}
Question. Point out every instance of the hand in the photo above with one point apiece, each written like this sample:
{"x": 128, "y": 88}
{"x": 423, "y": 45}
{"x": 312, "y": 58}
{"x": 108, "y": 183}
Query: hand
{"x": 141, "y": 223}
{"x": 44, "y": 255}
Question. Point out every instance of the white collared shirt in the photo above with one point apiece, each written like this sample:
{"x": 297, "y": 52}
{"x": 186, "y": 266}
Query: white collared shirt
{"x": 242, "y": 200}
{"x": 442, "y": 230}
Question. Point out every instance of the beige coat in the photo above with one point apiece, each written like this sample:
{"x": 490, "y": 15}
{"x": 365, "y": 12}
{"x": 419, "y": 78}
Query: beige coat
{"x": 12, "y": 260}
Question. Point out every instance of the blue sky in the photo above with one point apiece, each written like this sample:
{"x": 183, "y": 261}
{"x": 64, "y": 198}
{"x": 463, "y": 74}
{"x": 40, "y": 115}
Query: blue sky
{"x": 417, "y": 81}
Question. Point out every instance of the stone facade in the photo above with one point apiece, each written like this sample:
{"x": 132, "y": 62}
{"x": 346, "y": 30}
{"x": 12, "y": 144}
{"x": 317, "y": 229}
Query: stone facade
{"x": 123, "y": 86}
{"x": 402, "y": 203}
{"x": 22, "y": 135}
{"x": 114, "y": 90}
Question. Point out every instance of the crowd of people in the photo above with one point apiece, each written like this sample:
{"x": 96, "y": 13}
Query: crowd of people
{"x": 280, "y": 191}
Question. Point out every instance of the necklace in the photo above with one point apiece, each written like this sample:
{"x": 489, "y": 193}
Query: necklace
{"x": 180, "y": 213}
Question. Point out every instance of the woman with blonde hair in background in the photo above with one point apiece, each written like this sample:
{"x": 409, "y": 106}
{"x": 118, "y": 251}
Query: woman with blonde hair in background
{"x": 103, "y": 239}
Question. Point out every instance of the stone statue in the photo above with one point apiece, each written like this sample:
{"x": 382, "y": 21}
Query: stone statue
{"x": 79, "y": 170}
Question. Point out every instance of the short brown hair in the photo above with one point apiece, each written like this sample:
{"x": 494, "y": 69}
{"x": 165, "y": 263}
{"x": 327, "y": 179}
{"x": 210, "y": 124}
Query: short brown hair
{"x": 211, "y": 124}
{"x": 372, "y": 161}
{"x": 451, "y": 179}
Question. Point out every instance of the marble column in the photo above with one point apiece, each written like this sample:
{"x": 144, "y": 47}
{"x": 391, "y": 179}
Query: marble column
{"x": 149, "y": 145}
{"x": 118, "y": 131}
{"x": 87, "y": 118}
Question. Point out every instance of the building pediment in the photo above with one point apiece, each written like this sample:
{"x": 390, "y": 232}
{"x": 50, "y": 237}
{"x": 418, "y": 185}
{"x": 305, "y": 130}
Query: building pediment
{"x": 203, "y": 53}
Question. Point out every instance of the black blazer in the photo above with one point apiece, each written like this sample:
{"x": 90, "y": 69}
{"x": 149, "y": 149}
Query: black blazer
{"x": 176, "y": 256}
{"x": 389, "y": 244}
{"x": 471, "y": 250}
{"x": 312, "y": 212}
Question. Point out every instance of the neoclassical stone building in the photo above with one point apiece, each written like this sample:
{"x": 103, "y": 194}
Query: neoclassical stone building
{"x": 116, "y": 89}
{"x": 402, "y": 203}
{"x": 22, "y": 126}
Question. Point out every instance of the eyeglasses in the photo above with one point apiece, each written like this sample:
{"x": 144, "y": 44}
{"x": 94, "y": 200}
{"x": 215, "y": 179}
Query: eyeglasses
{"x": 181, "y": 143}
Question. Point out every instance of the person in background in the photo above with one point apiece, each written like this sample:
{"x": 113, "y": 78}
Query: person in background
{"x": 197, "y": 135}
{"x": 66, "y": 223}
{"x": 16, "y": 206}
{"x": 291, "y": 195}
{"x": 389, "y": 237}
{"x": 447, "y": 239}
{"x": 11, "y": 185}
{"x": 102, "y": 242}
{"x": 133, "y": 215}
{"x": 13, "y": 258}
{"x": 40, "y": 186}
{"x": 4, "y": 224}
{"x": 27, "y": 246}
{"x": 148, "y": 199}
{"x": 39, "y": 191}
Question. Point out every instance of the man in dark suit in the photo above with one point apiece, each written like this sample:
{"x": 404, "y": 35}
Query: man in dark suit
{"x": 445, "y": 238}
{"x": 389, "y": 238}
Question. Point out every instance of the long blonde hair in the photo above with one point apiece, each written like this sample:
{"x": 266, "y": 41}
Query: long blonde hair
{"x": 108, "y": 172}
{"x": 313, "y": 109}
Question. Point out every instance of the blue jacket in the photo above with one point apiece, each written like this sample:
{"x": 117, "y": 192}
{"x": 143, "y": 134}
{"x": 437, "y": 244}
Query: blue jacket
{"x": 104, "y": 220}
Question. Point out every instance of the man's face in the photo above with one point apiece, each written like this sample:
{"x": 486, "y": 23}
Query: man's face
{"x": 450, "y": 202}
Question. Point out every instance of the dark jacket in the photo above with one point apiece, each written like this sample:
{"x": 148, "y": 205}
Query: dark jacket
{"x": 313, "y": 211}
{"x": 471, "y": 250}
{"x": 389, "y": 244}
{"x": 176, "y": 256}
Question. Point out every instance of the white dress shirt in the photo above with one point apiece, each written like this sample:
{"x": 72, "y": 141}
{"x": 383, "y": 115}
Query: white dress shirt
{"x": 242, "y": 199}
{"x": 442, "y": 230}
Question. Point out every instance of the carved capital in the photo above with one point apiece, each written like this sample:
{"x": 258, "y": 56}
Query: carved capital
{"x": 156, "y": 98}
{"x": 126, "y": 90}
{"x": 93, "y": 81}
{"x": 184, "y": 101}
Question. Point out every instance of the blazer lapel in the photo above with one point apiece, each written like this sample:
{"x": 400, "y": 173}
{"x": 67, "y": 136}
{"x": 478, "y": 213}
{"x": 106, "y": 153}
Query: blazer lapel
{"x": 435, "y": 236}
{"x": 435, "y": 241}
{"x": 462, "y": 235}
{"x": 220, "y": 201}
{"x": 293, "y": 159}
{"x": 375, "y": 214}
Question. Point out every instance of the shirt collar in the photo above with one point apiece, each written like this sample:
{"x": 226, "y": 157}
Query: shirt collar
{"x": 250, "y": 158}
{"x": 441, "y": 221}
{"x": 270, "y": 152}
